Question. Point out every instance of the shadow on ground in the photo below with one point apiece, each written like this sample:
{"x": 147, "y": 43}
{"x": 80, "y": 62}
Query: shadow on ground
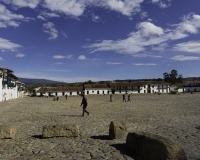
{"x": 101, "y": 137}
{"x": 127, "y": 152}
{"x": 37, "y": 136}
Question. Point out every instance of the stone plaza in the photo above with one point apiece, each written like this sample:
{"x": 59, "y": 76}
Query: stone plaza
{"x": 176, "y": 117}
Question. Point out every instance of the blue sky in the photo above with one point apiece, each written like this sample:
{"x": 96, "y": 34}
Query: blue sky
{"x": 81, "y": 40}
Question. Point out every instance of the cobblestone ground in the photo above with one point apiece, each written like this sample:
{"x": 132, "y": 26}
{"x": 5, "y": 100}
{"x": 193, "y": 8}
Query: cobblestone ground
{"x": 174, "y": 116}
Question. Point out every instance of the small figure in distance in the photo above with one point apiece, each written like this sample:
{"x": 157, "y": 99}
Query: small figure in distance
{"x": 110, "y": 98}
{"x": 129, "y": 98}
{"x": 66, "y": 96}
{"x": 124, "y": 99}
{"x": 85, "y": 104}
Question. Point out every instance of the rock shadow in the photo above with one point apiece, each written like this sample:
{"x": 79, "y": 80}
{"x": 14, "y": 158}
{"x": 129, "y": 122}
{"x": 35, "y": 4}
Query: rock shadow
{"x": 127, "y": 152}
{"x": 38, "y": 136}
{"x": 101, "y": 137}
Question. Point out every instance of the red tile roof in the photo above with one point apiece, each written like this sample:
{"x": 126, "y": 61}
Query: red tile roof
{"x": 96, "y": 86}
{"x": 57, "y": 89}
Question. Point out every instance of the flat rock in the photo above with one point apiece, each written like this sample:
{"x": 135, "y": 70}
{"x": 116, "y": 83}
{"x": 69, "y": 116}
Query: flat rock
{"x": 62, "y": 130}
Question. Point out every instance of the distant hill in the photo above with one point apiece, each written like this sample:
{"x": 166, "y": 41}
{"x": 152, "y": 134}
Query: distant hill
{"x": 32, "y": 81}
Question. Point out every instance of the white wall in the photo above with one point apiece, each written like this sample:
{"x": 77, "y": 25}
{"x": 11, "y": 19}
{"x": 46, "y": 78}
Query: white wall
{"x": 97, "y": 91}
{"x": 1, "y": 90}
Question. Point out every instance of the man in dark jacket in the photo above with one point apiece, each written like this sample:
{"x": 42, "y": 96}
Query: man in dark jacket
{"x": 84, "y": 103}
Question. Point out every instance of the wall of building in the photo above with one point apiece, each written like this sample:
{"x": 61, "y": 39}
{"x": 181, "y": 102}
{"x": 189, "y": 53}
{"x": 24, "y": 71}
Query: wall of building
{"x": 192, "y": 89}
{"x": 97, "y": 91}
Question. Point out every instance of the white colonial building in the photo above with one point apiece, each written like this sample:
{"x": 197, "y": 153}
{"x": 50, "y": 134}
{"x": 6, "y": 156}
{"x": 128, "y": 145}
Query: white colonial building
{"x": 59, "y": 91}
{"x": 139, "y": 87}
{"x": 8, "y": 85}
{"x": 96, "y": 89}
{"x": 192, "y": 86}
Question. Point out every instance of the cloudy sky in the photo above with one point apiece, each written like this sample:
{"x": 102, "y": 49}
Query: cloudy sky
{"x": 81, "y": 40}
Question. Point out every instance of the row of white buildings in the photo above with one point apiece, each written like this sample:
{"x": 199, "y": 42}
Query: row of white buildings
{"x": 10, "y": 87}
{"x": 118, "y": 88}
{"x": 108, "y": 88}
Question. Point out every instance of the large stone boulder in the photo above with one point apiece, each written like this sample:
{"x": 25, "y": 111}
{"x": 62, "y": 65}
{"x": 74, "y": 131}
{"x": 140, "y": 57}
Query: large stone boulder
{"x": 68, "y": 130}
{"x": 117, "y": 130}
{"x": 7, "y": 132}
{"x": 154, "y": 147}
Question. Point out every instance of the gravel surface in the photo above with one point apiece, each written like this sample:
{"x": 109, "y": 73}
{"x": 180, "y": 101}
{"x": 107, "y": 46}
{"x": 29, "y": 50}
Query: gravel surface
{"x": 176, "y": 117}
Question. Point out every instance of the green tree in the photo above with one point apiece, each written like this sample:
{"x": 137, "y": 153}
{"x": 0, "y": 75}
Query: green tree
{"x": 173, "y": 77}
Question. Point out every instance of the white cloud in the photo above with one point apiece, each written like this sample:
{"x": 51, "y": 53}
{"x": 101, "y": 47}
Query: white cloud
{"x": 20, "y": 55}
{"x": 162, "y": 3}
{"x": 77, "y": 8}
{"x": 82, "y": 57}
{"x": 95, "y": 18}
{"x": 114, "y": 63}
{"x": 68, "y": 7}
{"x": 143, "y": 15}
{"x": 1, "y": 59}
{"x": 62, "y": 57}
{"x": 146, "y": 55}
{"x": 45, "y": 15}
{"x": 155, "y": 1}
{"x": 148, "y": 34}
{"x": 191, "y": 46}
{"x": 144, "y": 64}
{"x": 125, "y": 7}
{"x": 41, "y": 17}
{"x": 190, "y": 24}
{"x": 185, "y": 58}
{"x": 23, "y": 3}
{"x": 49, "y": 28}
{"x": 59, "y": 63}
{"x": 8, "y": 18}
{"x": 64, "y": 34}
{"x": 7, "y": 45}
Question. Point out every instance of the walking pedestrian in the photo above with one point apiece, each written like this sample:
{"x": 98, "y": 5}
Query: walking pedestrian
{"x": 124, "y": 99}
{"x": 66, "y": 96}
{"x": 85, "y": 104}
{"x": 129, "y": 98}
{"x": 110, "y": 98}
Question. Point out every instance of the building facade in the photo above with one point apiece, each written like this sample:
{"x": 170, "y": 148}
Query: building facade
{"x": 8, "y": 85}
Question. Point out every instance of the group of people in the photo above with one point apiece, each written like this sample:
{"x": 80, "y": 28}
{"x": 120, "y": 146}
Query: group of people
{"x": 124, "y": 98}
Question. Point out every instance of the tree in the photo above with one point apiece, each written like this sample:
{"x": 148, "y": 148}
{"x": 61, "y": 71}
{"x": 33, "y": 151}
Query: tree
{"x": 180, "y": 79}
{"x": 166, "y": 77}
{"x": 173, "y": 77}
{"x": 89, "y": 82}
{"x": 159, "y": 79}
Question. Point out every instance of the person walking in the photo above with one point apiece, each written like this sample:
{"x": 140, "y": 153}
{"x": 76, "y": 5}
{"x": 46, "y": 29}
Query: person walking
{"x": 85, "y": 104}
{"x": 110, "y": 98}
{"x": 66, "y": 96}
{"x": 129, "y": 98}
{"x": 124, "y": 99}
